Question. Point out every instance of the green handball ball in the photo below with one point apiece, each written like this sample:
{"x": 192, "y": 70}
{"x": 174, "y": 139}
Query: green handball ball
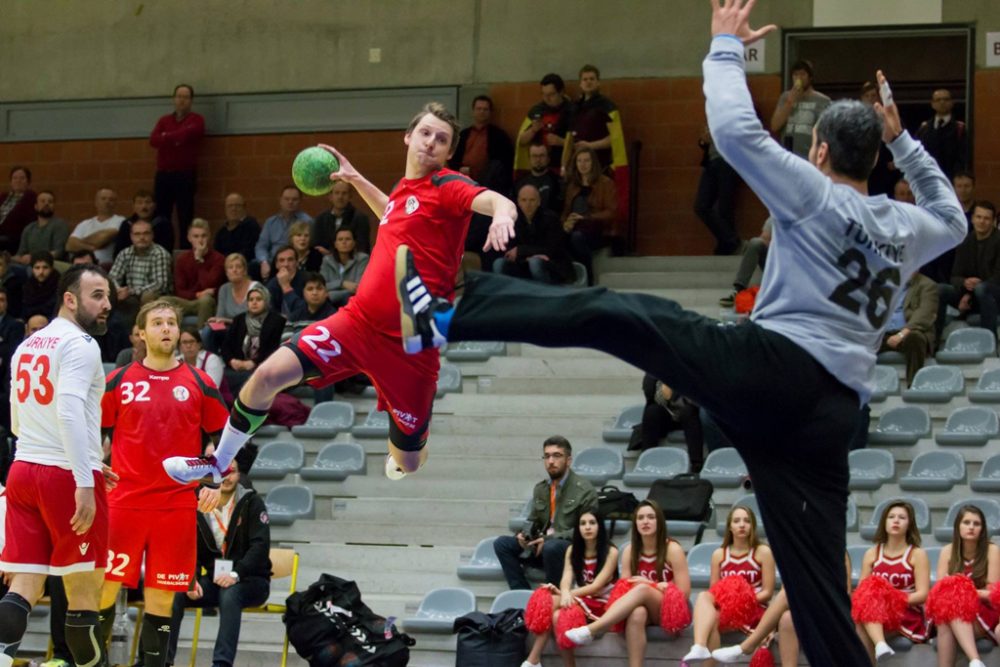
{"x": 311, "y": 170}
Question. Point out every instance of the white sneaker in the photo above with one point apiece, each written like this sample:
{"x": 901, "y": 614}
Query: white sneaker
{"x": 184, "y": 470}
{"x": 580, "y": 636}
{"x": 392, "y": 470}
{"x": 697, "y": 654}
{"x": 531, "y": 664}
{"x": 977, "y": 663}
{"x": 882, "y": 651}
{"x": 728, "y": 654}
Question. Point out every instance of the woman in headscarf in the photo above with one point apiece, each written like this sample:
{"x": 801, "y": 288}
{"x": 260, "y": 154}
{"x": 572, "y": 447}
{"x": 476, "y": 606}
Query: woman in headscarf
{"x": 251, "y": 339}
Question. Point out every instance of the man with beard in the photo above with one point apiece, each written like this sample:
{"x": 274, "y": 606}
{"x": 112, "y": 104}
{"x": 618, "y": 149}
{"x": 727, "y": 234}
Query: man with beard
{"x": 46, "y": 233}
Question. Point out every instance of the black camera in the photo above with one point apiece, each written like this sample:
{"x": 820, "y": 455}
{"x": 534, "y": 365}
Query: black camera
{"x": 531, "y": 533}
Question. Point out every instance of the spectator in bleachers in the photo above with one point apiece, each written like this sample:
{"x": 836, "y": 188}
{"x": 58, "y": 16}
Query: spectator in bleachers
{"x": 287, "y": 277}
{"x": 341, "y": 215}
{"x": 144, "y": 208}
{"x": 652, "y": 562}
{"x": 716, "y": 197}
{"x": 34, "y": 323}
{"x": 234, "y": 568}
{"x": 798, "y": 110}
{"x": 970, "y": 553}
{"x": 314, "y": 304}
{"x": 11, "y": 335}
{"x": 664, "y": 412}
{"x": 342, "y": 269}
{"x": 754, "y": 257}
{"x": 274, "y": 235}
{"x": 590, "y": 207}
{"x": 13, "y": 283}
{"x": 884, "y": 174}
{"x": 742, "y": 554}
{"x": 484, "y": 152}
{"x": 84, "y": 257}
{"x": 98, "y": 234}
{"x": 192, "y": 353}
{"x": 252, "y": 337}
{"x": 944, "y": 137}
{"x": 539, "y": 248}
{"x": 46, "y": 232}
{"x": 545, "y": 125}
{"x": 142, "y": 272}
{"x": 964, "y": 184}
{"x": 589, "y": 570}
{"x": 543, "y": 178}
{"x": 975, "y": 278}
{"x": 177, "y": 138}
{"x": 17, "y": 208}
{"x": 198, "y": 273}
{"x": 40, "y": 286}
{"x": 556, "y": 506}
{"x": 135, "y": 352}
{"x": 592, "y": 120}
{"x": 911, "y": 326}
{"x": 897, "y": 558}
{"x": 307, "y": 258}
{"x": 232, "y": 301}
{"x": 239, "y": 233}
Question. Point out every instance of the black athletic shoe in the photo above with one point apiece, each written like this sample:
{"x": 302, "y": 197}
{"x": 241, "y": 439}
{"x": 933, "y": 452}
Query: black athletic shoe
{"x": 416, "y": 306}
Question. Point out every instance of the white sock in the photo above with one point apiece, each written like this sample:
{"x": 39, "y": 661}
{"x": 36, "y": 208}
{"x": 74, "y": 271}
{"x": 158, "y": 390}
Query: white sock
{"x": 230, "y": 444}
{"x": 977, "y": 663}
{"x": 728, "y": 653}
{"x": 697, "y": 652}
{"x": 883, "y": 650}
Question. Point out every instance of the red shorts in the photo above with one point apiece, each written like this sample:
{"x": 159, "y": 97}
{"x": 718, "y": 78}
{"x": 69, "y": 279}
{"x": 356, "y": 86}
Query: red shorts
{"x": 343, "y": 345}
{"x": 167, "y": 538}
{"x": 41, "y": 501}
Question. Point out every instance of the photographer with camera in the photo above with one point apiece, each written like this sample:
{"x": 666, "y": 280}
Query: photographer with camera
{"x": 556, "y": 506}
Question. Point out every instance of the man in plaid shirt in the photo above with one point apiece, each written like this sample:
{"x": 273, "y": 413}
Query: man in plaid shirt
{"x": 141, "y": 272}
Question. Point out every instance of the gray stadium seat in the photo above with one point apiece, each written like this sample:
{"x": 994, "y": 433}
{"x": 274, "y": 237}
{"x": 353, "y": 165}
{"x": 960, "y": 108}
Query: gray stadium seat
{"x": 923, "y": 515}
{"x": 935, "y": 384}
{"x": 856, "y": 552}
{"x": 336, "y": 462}
{"x": 326, "y": 420}
{"x": 903, "y": 425}
{"x": 376, "y": 425}
{"x": 972, "y": 426}
{"x": 933, "y": 555}
{"x": 657, "y": 463}
{"x": 108, "y": 367}
{"x": 679, "y": 528}
{"x": 483, "y": 564}
{"x": 449, "y": 379}
{"x": 989, "y": 506}
{"x": 518, "y": 516}
{"x": 700, "y": 563}
{"x": 270, "y": 431}
{"x": 439, "y": 609}
{"x": 934, "y": 471}
{"x": 599, "y": 464}
{"x": 987, "y": 389}
{"x": 510, "y": 600}
{"x": 287, "y": 503}
{"x": 870, "y": 469}
{"x": 277, "y": 459}
{"x": 890, "y": 357}
{"x": 724, "y": 468}
{"x": 886, "y": 383}
{"x": 621, "y": 431}
{"x": 749, "y": 500}
{"x": 988, "y": 480}
{"x": 967, "y": 346}
{"x": 474, "y": 351}
{"x": 851, "y": 519}
{"x": 579, "y": 275}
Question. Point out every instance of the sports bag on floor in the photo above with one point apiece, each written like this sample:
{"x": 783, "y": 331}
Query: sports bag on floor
{"x": 491, "y": 640}
{"x": 685, "y": 497}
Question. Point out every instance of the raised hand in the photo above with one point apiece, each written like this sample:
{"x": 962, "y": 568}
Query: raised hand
{"x": 732, "y": 17}
{"x": 347, "y": 172}
{"x": 892, "y": 126}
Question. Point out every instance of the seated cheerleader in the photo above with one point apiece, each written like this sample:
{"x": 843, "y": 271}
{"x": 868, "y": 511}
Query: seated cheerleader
{"x": 971, "y": 554}
{"x": 589, "y": 570}
{"x": 898, "y": 559}
{"x": 651, "y": 563}
{"x": 741, "y": 554}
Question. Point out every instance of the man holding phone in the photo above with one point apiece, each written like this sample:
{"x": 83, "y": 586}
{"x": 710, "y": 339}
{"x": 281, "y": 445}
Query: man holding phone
{"x": 798, "y": 110}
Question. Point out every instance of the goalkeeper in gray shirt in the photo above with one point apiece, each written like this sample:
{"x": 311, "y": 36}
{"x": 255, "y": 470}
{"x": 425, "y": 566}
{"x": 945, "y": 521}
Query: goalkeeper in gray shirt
{"x": 787, "y": 387}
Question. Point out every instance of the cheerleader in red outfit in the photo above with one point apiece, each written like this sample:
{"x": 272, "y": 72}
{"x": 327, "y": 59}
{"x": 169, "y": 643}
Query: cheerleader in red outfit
{"x": 589, "y": 571}
{"x": 970, "y": 553}
{"x": 651, "y": 562}
{"x": 741, "y": 555}
{"x": 898, "y": 558}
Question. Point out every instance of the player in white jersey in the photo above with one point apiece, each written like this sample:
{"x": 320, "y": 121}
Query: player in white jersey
{"x": 786, "y": 387}
{"x": 57, "y": 516}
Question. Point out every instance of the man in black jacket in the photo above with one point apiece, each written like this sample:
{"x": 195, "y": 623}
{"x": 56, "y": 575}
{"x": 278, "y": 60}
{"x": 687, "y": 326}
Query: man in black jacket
{"x": 341, "y": 214}
{"x": 975, "y": 278}
{"x": 234, "y": 571}
{"x": 540, "y": 247}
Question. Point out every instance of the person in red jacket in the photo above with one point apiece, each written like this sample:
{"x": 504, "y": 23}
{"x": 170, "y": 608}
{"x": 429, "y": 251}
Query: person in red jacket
{"x": 198, "y": 273}
{"x": 176, "y": 138}
{"x": 17, "y": 208}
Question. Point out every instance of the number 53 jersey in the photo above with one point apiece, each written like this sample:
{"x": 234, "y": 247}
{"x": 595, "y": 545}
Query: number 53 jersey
{"x": 155, "y": 415}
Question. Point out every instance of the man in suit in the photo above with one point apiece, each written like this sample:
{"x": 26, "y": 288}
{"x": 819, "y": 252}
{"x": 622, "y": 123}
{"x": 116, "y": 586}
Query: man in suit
{"x": 911, "y": 326}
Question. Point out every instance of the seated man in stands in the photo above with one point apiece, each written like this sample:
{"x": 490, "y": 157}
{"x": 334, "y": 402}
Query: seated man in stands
{"x": 313, "y": 305}
{"x": 46, "y": 232}
{"x": 668, "y": 411}
{"x": 975, "y": 278}
{"x": 543, "y": 178}
{"x": 144, "y": 208}
{"x": 233, "y": 571}
{"x": 199, "y": 273}
{"x": 341, "y": 215}
{"x": 142, "y": 272}
{"x": 911, "y": 325}
{"x": 98, "y": 234}
{"x": 239, "y": 232}
{"x": 539, "y": 249}
{"x": 556, "y": 506}
{"x": 287, "y": 277}
{"x": 274, "y": 234}
{"x": 754, "y": 257}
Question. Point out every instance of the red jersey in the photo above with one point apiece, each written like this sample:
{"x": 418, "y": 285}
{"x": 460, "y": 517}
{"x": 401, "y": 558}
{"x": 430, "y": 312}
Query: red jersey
{"x": 647, "y": 569}
{"x": 155, "y": 415}
{"x": 589, "y": 574}
{"x": 431, "y": 215}
{"x": 897, "y": 571}
{"x": 746, "y": 566}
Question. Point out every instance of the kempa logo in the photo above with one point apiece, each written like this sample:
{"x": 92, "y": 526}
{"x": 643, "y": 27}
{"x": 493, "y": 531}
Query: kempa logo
{"x": 411, "y": 204}
{"x": 83, "y": 548}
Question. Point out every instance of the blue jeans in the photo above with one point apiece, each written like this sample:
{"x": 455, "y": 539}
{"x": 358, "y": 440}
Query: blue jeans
{"x": 508, "y": 552}
{"x": 249, "y": 592}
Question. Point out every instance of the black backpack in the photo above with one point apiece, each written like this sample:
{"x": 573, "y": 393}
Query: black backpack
{"x": 685, "y": 497}
{"x": 491, "y": 640}
{"x": 328, "y": 624}
{"x": 615, "y": 504}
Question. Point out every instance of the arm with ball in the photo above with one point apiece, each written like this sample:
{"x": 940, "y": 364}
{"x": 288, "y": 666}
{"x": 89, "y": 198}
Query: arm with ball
{"x": 375, "y": 198}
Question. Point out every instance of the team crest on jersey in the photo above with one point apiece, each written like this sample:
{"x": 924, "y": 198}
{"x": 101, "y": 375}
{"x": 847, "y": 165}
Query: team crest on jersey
{"x": 181, "y": 394}
{"x": 411, "y": 204}
{"x": 385, "y": 215}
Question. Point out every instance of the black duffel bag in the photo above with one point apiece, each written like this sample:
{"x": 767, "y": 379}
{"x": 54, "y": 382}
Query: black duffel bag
{"x": 616, "y": 505}
{"x": 685, "y": 497}
{"x": 491, "y": 640}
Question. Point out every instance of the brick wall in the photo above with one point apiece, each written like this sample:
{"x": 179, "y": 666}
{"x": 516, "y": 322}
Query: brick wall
{"x": 665, "y": 114}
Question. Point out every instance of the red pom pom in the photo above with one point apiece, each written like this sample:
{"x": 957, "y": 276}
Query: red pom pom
{"x": 621, "y": 587}
{"x": 736, "y": 602}
{"x": 570, "y": 618}
{"x": 953, "y": 598}
{"x": 675, "y": 615}
{"x": 762, "y": 657}
{"x": 538, "y": 612}
{"x": 995, "y": 594}
{"x": 876, "y": 601}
